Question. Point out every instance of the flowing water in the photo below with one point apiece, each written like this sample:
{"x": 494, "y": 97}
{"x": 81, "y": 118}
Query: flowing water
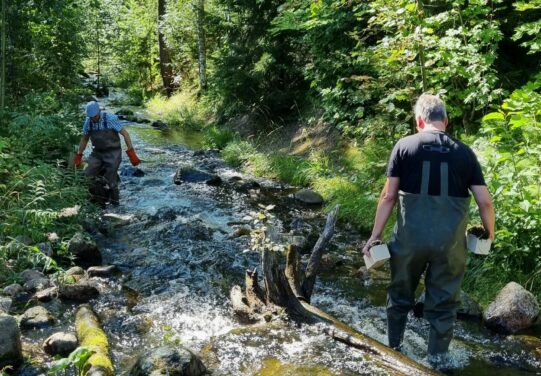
{"x": 172, "y": 244}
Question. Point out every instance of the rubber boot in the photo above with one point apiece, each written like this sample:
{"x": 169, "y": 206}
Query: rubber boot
{"x": 114, "y": 196}
{"x": 396, "y": 326}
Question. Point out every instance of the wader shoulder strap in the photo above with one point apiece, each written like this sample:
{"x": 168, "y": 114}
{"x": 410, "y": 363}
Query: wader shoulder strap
{"x": 444, "y": 178}
{"x": 425, "y": 178}
{"x": 105, "y": 120}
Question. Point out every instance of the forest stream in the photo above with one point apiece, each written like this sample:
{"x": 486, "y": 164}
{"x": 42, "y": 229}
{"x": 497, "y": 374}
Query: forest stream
{"x": 178, "y": 261}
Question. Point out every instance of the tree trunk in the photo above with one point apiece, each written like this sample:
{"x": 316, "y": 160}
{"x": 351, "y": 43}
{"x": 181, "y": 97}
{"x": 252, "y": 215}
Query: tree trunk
{"x": 201, "y": 43}
{"x": 166, "y": 69}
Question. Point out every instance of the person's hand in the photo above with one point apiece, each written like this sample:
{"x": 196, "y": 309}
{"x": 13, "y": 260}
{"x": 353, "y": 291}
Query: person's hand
{"x": 134, "y": 159}
{"x": 366, "y": 248}
{"x": 77, "y": 160}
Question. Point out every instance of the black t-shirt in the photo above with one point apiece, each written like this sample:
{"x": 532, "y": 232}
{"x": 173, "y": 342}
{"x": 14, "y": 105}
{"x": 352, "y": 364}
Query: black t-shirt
{"x": 406, "y": 163}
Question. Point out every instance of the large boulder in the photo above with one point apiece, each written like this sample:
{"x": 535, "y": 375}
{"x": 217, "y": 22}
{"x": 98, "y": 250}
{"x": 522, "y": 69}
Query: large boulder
{"x": 168, "y": 361}
{"x": 60, "y": 343}
{"x": 309, "y": 197}
{"x": 36, "y": 318}
{"x": 514, "y": 309}
{"x": 84, "y": 250}
{"x": 10, "y": 342}
{"x": 38, "y": 284}
{"x": 31, "y": 274}
{"x": 102, "y": 271}
{"x": 13, "y": 290}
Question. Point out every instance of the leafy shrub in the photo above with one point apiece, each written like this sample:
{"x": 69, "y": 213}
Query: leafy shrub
{"x": 511, "y": 153}
{"x": 181, "y": 110}
{"x": 238, "y": 152}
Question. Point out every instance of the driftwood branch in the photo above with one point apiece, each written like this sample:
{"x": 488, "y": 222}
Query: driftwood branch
{"x": 312, "y": 268}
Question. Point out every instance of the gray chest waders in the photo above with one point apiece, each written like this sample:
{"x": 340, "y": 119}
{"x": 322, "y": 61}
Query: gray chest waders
{"x": 103, "y": 163}
{"x": 429, "y": 235}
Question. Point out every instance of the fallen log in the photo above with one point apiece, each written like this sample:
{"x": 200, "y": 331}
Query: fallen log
{"x": 92, "y": 336}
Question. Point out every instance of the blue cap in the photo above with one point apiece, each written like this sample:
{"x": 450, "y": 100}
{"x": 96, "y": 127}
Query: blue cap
{"x": 92, "y": 109}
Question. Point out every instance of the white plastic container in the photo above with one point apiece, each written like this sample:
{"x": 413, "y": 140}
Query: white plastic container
{"x": 378, "y": 255}
{"x": 478, "y": 246}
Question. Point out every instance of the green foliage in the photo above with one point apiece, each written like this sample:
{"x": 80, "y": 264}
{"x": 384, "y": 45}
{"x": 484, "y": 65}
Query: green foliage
{"x": 181, "y": 110}
{"x": 217, "y": 137}
{"x": 76, "y": 360}
{"x": 511, "y": 153}
{"x": 530, "y": 30}
{"x": 238, "y": 152}
{"x": 39, "y": 196}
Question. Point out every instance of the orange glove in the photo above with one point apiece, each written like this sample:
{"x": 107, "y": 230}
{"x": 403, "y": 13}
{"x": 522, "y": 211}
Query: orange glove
{"x": 134, "y": 159}
{"x": 77, "y": 160}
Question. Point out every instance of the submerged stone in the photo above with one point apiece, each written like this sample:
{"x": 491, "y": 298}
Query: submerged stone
{"x": 168, "y": 361}
{"x": 81, "y": 292}
{"x": 190, "y": 174}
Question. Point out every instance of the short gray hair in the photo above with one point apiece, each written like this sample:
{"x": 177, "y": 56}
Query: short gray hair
{"x": 430, "y": 108}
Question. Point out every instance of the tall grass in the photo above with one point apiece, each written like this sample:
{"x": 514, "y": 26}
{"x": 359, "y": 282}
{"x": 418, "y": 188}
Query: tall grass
{"x": 180, "y": 110}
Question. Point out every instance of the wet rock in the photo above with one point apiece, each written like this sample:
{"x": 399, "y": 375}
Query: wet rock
{"x": 80, "y": 292}
{"x": 248, "y": 186}
{"x": 168, "y": 361}
{"x": 84, "y": 250}
{"x": 308, "y": 196}
{"x": 363, "y": 273}
{"x": 36, "y": 318}
{"x": 298, "y": 241}
{"x": 5, "y": 304}
{"x": 13, "y": 290}
{"x": 37, "y": 284}
{"x": 241, "y": 231}
{"x": 120, "y": 219}
{"x": 514, "y": 309}
{"x": 47, "y": 294}
{"x": 159, "y": 124}
{"x": 131, "y": 171}
{"x": 164, "y": 215}
{"x": 46, "y": 249}
{"x": 10, "y": 342}
{"x": 124, "y": 111}
{"x": 75, "y": 272}
{"x": 30, "y": 274}
{"x": 102, "y": 271}
{"x": 190, "y": 174}
{"x": 61, "y": 343}
{"x": 328, "y": 263}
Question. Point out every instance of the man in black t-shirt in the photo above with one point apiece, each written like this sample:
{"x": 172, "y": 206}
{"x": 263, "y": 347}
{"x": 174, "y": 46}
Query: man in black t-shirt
{"x": 430, "y": 174}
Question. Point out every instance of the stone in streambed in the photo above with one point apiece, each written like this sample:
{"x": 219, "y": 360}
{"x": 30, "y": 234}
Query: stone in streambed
{"x": 30, "y": 274}
{"x": 37, "y": 284}
{"x": 60, "y": 343}
{"x": 190, "y": 174}
{"x": 309, "y": 197}
{"x": 46, "y": 249}
{"x": 47, "y": 294}
{"x": 13, "y": 290}
{"x": 10, "y": 342}
{"x": 5, "y": 304}
{"x": 80, "y": 292}
{"x": 514, "y": 309}
{"x": 102, "y": 271}
{"x": 84, "y": 250}
{"x": 130, "y": 171}
{"x": 159, "y": 124}
{"x": 36, "y": 318}
{"x": 168, "y": 361}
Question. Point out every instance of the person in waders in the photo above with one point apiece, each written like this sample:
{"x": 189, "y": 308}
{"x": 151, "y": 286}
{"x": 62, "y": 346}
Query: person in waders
{"x": 430, "y": 174}
{"x": 103, "y": 130}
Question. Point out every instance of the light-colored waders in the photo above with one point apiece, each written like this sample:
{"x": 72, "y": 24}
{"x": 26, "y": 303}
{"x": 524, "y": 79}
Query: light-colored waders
{"x": 429, "y": 235}
{"x": 103, "y": 163}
